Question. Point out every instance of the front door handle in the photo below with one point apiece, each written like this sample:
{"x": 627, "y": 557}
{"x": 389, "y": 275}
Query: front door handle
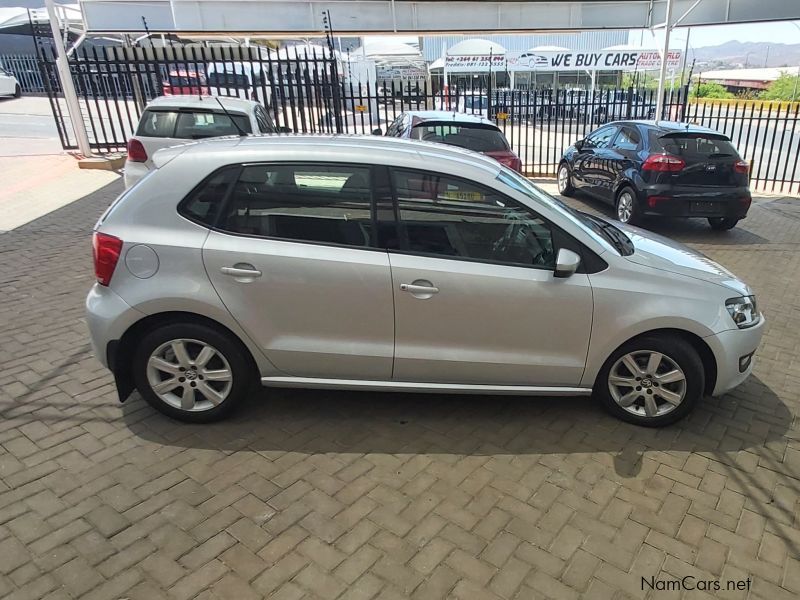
{"x": 241, "y": 271}
{"x": 420, "y": 288}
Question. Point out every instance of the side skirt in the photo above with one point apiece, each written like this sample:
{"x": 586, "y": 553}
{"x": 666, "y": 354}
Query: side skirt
{"x": 407, "y": 386}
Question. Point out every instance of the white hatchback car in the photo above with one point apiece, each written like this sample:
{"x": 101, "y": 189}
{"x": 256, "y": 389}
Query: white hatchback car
{"x": 383, "y": 264}
{"x": 9, "y": 86}
{"x": 171, "y": 120}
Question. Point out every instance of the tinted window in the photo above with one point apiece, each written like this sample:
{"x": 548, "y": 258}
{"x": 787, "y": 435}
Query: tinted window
{"x": 395, "y": 128}
{"x": 601, "y": 138}
{"x": 471, "y": 137}
{"x": 628, "y": 139}
{"x": 314, "y": 203}
{"x": 451, "y": 217}
{"x": 198, "y": 125}
{"x": 203, "y": 204}
{"x": 692, "y": 146}
{"x": 157, "y": 123}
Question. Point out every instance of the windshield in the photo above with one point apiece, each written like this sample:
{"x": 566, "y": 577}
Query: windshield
{"x": 600, "y": 229}
{"x": 190, "y": 125}
{"x": 692, "y": 147}
{"x": 472, "y": 136}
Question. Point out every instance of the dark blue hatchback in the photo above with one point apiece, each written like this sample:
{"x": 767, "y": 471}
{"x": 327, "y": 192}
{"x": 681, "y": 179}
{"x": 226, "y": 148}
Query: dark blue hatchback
{"x": 649, "y": 168}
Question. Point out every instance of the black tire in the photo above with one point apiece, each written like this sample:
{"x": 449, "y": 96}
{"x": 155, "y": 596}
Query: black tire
{"x": 567, "y": 189}
{"x": 722, "y": 223}
{"x": 17, "y": 91}
{"x": 675, "y": 349}
{"x": 229, "y": 348}
{"x": 635, "y": 212}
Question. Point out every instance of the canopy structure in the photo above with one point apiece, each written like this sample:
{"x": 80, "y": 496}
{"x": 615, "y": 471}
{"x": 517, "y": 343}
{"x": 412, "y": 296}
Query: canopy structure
{"x": 16, "y": 20}
{"x": 392, "y": 59}
{"x": 363, "y": 17}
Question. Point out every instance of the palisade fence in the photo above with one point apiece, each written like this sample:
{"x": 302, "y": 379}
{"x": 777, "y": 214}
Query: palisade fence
{"x": 309, "y": 91}
{"x": 26, "y": 69}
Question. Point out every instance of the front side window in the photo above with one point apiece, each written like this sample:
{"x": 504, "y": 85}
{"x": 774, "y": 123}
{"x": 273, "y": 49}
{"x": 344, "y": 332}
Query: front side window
{"x": 601, "y": 138}
{"x": 309, "y": 203}
{"x": 444, "y": 216}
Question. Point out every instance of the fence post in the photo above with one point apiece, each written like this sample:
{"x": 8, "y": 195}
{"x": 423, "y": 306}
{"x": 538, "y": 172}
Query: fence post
{"x": 67, "y": 85}
{"x": 135, "y": 88}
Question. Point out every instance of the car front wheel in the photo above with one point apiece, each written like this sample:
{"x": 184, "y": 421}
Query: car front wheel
{"x": 565, "y": 187}
{"x": 192, "y": 372}
{"x": 652, "y": 381}
{"x": 17, "y": 91}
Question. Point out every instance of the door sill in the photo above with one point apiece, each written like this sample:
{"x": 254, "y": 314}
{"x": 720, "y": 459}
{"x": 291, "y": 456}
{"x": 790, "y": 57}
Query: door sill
{"x": 408, "y": 386}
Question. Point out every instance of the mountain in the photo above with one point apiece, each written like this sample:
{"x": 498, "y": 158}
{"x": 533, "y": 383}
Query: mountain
{"x": 737, "y": 54}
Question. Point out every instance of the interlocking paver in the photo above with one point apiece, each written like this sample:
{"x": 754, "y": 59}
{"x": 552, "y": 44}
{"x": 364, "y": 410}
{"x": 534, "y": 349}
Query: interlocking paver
{"x": 337, "y": 495}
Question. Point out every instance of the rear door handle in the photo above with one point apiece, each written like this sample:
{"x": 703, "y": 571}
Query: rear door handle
{"x": 420, "y": 288}
{"x": 240, "y": 270}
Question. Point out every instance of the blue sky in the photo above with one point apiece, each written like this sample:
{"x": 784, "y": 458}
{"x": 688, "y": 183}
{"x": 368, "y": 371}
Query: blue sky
{"x": 784, "y": 32}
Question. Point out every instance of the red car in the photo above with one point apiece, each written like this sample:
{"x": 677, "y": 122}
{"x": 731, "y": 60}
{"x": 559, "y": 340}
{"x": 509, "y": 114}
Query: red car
{"x": 472, "y": 132}
{"x": 181, "y": 82}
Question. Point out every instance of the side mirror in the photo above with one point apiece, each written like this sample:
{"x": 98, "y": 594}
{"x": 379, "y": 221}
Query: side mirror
{"x": 567, "y": 263}
{"x": 283, "y": 130}
{"x": 377, "y": 131}
{"x": 578, "y": 145}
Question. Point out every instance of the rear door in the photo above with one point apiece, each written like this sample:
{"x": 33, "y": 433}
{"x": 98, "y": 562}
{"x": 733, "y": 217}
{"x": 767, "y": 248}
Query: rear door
{"x": 294, "y": 259}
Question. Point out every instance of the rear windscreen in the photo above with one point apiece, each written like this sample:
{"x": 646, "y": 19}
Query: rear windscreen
{"x": 690, "y": 146}
{"x": 190, "y": 125}
{"x": 464, "y": 135}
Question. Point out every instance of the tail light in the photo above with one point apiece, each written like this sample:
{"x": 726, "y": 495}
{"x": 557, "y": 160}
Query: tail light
{"x": 742, "y": 167}
{"x": 136, "y": 151}
{"x": 105, "y": 251}
{"x": 510, "y": 161}
{"x": 663, "y": 163}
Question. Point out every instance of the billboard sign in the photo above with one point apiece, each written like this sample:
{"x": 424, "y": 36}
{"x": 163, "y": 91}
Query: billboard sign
{"x": 602, "y": 60}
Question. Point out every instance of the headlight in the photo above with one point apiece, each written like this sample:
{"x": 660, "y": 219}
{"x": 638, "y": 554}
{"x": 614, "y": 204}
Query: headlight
{"x": 743, "y": 311}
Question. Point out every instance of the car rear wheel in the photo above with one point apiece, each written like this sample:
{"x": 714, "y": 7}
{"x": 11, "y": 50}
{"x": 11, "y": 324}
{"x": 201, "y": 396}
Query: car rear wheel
{"x": 565, "y": 187}
{"x": 17, "y": 91}
{"x": 191, "y": 372}
{"x": 652, "y": 381}
{"x": 722, "y": 223}
{"x": 627, "y": 207}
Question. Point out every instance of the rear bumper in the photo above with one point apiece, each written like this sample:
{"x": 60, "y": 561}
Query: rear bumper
{"x": 108, "y": 316}
{"x": 670, "y": 201}
{"x": 734, "y": 353}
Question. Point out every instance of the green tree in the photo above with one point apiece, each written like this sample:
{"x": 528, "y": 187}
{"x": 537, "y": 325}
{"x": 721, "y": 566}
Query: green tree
{"x": 710, "y": 90}
{"x": 785, "y": 87}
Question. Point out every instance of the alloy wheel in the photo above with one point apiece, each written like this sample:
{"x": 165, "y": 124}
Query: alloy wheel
{"x": 189, "y": 375}
{"x": 625, "y": 207}
{"x": 647, "y": 383}
{"x": 563, "y": 179}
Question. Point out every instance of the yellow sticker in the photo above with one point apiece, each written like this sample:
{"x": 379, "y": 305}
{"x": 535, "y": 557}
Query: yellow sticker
{"x": 502, "y": 116}
{"x": 360, "y": 108}
{"x": 463, "y": 196}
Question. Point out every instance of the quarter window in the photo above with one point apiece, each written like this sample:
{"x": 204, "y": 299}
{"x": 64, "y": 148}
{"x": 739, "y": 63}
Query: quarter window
{"x": 203, "y": 204}
{"x": 309, "y": 203}
{"x": 445, "y": 216}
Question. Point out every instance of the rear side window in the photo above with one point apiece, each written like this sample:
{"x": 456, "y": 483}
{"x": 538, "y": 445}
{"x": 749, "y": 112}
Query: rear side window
{"x": 157, "y": 123}
{"x": 627, "y": 139}
{"x": 692, "y": 146}
{"x": 205, "y": 202}
{"x": 471, "y": 137}
{"x": 190, "y": 125}
{"x": 329, "y": 204}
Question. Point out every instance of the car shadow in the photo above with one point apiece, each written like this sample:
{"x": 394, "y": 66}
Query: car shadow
{"x": 752, "y": 417}
{"x": 690, "y": 231}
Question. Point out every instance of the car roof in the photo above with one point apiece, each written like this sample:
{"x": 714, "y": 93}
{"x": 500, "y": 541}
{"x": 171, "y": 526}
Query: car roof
{"x": 670, "y": 126}
{"x": 205, "y": 102}
{"x": 366, "y": 149}
{"x": 451, "y": 116}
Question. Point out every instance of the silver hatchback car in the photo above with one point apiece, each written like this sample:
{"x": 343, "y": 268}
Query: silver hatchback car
{"x": 371, "y": 263}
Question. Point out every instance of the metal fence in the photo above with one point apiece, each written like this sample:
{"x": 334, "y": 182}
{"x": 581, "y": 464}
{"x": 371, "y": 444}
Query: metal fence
{"x": 304, "y": 91}
{"x": 26, "y": 69}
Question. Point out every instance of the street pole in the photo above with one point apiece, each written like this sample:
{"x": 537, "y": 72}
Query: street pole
{"x": 663, "y": 75}
{"x": 67, "y": 85}
{"x": 685, "y": 54}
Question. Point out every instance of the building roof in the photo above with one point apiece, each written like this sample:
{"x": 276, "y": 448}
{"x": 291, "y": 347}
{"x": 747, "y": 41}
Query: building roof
{"x": 763, "y": 75}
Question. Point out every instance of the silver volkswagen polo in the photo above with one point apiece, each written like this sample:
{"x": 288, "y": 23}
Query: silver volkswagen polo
{"x": 370, "y": 263}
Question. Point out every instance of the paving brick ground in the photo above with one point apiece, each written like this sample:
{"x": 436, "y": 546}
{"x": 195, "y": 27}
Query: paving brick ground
{"x": 356, "y": 495}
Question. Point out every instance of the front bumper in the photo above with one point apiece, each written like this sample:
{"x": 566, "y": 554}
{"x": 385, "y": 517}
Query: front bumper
{"x": 669, "y": 201}
{"x": 729, "y": 348}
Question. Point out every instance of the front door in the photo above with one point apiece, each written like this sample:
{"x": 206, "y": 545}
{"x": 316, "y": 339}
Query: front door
{"x": 298, "y": 268}
{"x": 596, "y": 166}
{"x": 474, "y": 293}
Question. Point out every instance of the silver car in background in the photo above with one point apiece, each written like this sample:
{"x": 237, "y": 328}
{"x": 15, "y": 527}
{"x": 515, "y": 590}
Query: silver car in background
{"x": 371, "y": 263}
